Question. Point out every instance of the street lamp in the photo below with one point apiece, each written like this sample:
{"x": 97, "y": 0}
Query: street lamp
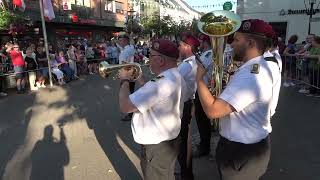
{"x": 311, "y": 12}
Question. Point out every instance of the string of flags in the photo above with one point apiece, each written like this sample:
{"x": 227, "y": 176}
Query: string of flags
{"x": 211, "y": 6}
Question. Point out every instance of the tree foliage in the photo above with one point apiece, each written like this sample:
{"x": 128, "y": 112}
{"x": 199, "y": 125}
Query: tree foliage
{"x": 162, "y": 26}
{"x": 9, "y": 19}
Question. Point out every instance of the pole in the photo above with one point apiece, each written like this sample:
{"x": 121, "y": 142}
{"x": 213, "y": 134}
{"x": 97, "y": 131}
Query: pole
{"x": 44, "y": 30}
{"x": 310, "y": 16}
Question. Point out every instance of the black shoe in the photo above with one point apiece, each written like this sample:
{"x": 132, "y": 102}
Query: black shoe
{"x": 200, "y": 151}
{"x": 20, "y": 92}
{"x": 126, "y": 118}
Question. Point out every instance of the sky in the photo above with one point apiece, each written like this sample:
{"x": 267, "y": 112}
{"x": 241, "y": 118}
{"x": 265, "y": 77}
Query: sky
{"x": 201, "y": 5}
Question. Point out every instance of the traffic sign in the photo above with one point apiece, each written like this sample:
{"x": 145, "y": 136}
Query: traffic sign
{"x": 227, "y": 6}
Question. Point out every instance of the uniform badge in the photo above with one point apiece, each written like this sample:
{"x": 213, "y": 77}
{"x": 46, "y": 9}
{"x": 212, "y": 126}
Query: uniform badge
{"x": 156, "y": 46}
{"x": 255, "y": 68}
{"x": 157, "y": 78}
{"x": 246, "y": 26}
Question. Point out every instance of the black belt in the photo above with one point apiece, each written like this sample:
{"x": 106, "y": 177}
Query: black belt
{"x": 234, "y": 144}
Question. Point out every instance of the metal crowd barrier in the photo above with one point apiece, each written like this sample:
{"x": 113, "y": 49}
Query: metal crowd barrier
{"x": 301, "y": 70}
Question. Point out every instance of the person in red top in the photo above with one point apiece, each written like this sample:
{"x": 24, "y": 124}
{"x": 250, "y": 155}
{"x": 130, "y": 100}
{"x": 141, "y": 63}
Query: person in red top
{"x": 19, "y": 65}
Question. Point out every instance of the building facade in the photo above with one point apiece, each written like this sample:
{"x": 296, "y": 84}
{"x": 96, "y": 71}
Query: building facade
{"x": 81, "y": 19}
{"x": 177, "y": 9}
{"x": 288, "y": 17}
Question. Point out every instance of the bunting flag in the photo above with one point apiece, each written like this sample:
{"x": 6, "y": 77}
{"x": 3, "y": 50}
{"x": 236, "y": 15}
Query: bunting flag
{"x": 48, "y": 10}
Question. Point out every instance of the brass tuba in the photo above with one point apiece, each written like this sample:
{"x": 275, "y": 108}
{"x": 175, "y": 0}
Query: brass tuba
{"x": 105, "y": 69}
{"x": 218, "y": 25}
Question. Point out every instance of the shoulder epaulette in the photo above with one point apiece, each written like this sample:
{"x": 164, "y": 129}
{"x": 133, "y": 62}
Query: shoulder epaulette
{"x": 255, "y": 68}
{"x": 272, "y": 59}
{"x": 157, "y": 78}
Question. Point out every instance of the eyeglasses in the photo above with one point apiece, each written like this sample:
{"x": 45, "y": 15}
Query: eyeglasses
{"x": 16, "y": 47}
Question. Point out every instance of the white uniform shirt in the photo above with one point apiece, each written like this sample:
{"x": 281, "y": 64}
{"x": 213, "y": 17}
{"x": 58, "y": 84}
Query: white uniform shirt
{"x": 251, "y": 96}
{"x": 127, "y": 54}
{"x": 206, "y": 59}
{"x": 160, "y": 106}
{"x": 276, "y": 77}
{"x": 188, "y": 70}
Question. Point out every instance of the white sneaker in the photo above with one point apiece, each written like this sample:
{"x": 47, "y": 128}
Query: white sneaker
{"x": 35, "y": 89}
{"x": 38, "y": 85}
{"x": 43, "y": 86}
{"x": 285, "y": 84}
{"x": 3, "y": 94}
{"x": 291, "y": 84}
{"x": 303, "y": 91}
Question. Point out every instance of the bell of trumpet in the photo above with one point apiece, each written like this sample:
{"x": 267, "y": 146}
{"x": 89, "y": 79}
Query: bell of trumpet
{"x": 105, "y": 69}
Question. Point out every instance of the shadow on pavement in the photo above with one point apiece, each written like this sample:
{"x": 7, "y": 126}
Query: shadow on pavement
{"x": 95, "y": 102}
{"x": 14, "y": 123}
{"x": 49, "y": 156}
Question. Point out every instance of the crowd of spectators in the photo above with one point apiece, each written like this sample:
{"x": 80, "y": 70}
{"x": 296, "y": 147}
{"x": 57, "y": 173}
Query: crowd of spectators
{"x": 28, "y": 63}
{"x": 302, "y": 63}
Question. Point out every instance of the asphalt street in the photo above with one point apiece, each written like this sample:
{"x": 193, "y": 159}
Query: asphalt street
{"x": 74, "y": 132}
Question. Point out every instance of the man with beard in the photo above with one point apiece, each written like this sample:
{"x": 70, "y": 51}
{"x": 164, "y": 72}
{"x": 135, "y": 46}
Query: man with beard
{"x": 244, "y": 107}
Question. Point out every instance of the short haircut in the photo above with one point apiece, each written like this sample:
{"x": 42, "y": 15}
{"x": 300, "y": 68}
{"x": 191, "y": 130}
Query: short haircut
{"x": 261, "y": 42}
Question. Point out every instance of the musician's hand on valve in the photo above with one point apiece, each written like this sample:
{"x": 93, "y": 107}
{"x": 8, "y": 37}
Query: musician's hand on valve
{"x": 125, "y": 74}
{"x": 200, "y": 73}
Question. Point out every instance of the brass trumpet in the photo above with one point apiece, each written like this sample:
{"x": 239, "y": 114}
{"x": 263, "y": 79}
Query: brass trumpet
{"x": 105, "y": 69}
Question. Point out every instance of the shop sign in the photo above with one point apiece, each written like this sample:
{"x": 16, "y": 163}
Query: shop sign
{"x": 74, "y": 18}
{"x": 297, "y": 11}
{"x": 227, "y": 6}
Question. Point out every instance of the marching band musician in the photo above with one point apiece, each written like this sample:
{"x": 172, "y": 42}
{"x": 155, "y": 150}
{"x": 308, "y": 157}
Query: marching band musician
{"x": 126, "y": 56}
{"x": 157, "y": 108}
{"x": 244, "y": 107}
{"x": 188, "y": 70}
{"x": 203, "y": 122}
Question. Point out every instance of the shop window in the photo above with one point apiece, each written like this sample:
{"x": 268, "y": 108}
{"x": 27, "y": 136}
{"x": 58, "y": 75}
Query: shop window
{"x": 87, "y": 3}
{"x": 119, "y": 7}
{"x": 80, "y": 2}
{"x": 109, "y": 6}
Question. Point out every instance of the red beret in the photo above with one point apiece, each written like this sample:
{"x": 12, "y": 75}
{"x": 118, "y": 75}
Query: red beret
{"x": 204, "y": 37}
{"x": 165, "y": 47}
{"x": 191, "y": 40}
{"x": 257, "y": 27}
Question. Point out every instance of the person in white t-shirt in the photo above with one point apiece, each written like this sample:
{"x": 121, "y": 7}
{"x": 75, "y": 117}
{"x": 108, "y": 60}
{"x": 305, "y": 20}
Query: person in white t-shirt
{"x": 157, "y": 108}
{"x": 245, "y": 106}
